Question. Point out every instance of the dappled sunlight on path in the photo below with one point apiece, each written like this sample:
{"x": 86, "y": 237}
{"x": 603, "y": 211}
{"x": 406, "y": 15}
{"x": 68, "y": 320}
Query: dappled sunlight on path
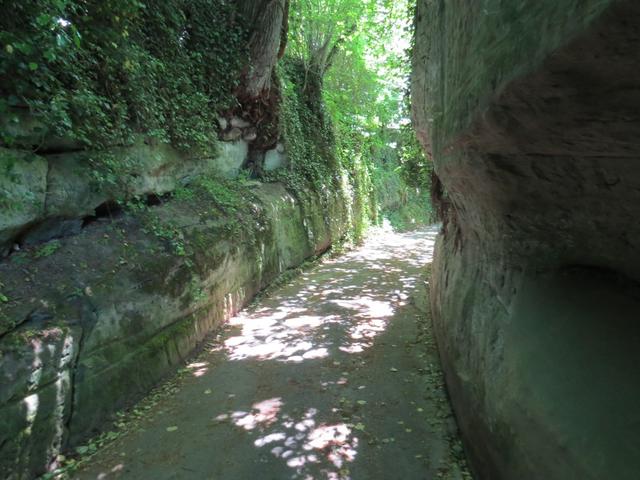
{"x": 323, "y": 379}
{"x": 343, "y": 306}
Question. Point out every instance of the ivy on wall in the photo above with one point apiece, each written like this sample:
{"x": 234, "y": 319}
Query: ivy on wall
{"x": 99, "y": 71}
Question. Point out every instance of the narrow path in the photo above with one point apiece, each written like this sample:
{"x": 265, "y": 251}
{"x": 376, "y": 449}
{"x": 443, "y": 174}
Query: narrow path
{"x": 334, "y": 376}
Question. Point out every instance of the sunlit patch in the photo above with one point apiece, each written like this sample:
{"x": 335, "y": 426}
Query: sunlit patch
{"x": 267, "y": 338}
{"x": 294, "y": 332}
{"x": 367, "y": 307}
{"x": 341, "y": 310}
{"x": 354, "y": 348}
{"x": 305, "y": 321}
{"x": 271, "y": 438}
{"x": 31, "y": 403}
{"x": 327, "y": 435}
{"x": 198, "y": 369}
{"x": 263, "y": 414}
{"x": 317, "y": 353}
{"x": 303, "y": 443}
{"x": 368, "y": 330}
{"x": 36, "y": 365}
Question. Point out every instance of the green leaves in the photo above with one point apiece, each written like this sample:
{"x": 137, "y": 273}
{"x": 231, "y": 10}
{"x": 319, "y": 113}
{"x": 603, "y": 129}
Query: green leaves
{"x": 98, "y": 72}
{"x": 44, "y": 20}
{"x": 361, "y": 50}
{"x": 47, "y": 249}
{"x": 357, "y": 54}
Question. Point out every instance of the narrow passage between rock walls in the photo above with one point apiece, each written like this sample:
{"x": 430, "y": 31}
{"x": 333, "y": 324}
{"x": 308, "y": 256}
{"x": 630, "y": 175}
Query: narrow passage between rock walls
{"x": 334, "y": 376}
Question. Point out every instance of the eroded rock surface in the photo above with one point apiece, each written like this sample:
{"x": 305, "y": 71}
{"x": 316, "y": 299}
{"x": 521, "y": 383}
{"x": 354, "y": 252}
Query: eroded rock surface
{"x": 47, "y": 191}
{"x": 335, "y": 375}
{"x": 531, "y": 112}
{"x": 92, "y": 323}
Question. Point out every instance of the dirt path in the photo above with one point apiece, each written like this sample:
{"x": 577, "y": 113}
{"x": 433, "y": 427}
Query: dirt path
{"x": 334, "y": 376}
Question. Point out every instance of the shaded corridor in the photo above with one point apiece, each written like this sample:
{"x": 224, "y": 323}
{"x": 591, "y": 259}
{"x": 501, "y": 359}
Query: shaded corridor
{"x": 334, "y": 376}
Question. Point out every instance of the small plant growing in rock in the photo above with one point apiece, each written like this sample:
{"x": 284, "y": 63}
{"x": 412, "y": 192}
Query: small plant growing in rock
{"x": 47, "y": 249}
{"x": 3, "y": 297}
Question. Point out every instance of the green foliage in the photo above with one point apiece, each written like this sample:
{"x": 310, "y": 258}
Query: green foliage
{"x": 111, "y": 171}
{"x": 232, "y": 201}
{"x": 166, "y": 230}
{"x": 307, "y": 130}
{"x": 47, "y": 249}
{"x": 3, "y": 297}
{"x": 226, "y": 194}
{"x": 416, "y": 212}
{"x": 357, "y": 54}
{"x": 320, "y": 29}
{"x": 99, "y": 71}
{"x": 416, "y": 167}
{"x": 198, "y": 293}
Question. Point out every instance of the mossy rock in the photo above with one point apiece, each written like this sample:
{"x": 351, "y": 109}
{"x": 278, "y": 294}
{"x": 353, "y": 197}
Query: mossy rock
{"x": 23, "y": 185}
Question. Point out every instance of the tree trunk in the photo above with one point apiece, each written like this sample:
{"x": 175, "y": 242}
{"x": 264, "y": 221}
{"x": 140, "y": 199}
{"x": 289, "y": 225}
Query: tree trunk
{"x": 284, "y": 32}
{"x": 266, "y": 21}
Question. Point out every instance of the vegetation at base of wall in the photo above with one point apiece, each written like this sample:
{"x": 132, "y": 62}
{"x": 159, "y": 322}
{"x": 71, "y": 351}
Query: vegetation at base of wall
{"x": 47, "y": 249}
{"x": 98, "y": 71}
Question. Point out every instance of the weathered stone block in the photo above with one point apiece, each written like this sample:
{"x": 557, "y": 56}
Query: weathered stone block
{"x": 55, "y": 192}
{"x": 35, "y": 397}
{"x": 231, "y": 157}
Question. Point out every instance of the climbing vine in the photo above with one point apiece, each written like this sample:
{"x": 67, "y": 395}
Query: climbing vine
{"x": 97, "y": 72}
{"x": 351, "y": 68}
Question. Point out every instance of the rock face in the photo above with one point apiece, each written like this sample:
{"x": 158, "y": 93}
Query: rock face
{"x": 23, "y": 186}
{"x": 530, "y": 110}
{"x": 119, "y": 307}
{"x": 54, "y": 192}
{"x": 275, "y": 158}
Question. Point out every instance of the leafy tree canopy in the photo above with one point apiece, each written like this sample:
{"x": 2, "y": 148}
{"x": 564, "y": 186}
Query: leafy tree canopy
{"x": 361, "y": 51}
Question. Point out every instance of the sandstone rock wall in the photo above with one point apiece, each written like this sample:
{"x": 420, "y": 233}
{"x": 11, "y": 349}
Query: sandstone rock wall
{"x": 94, "y": 325}
{"x": 530, "y": 112}
{"x": 44, "y": 196}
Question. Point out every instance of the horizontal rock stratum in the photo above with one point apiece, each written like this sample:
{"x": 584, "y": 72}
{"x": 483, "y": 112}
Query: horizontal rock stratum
{"x": 530, "y": 110}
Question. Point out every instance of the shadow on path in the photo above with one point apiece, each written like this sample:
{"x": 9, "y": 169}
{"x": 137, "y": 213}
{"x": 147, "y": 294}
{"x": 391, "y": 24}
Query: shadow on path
{"x": 335, "y": 376}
